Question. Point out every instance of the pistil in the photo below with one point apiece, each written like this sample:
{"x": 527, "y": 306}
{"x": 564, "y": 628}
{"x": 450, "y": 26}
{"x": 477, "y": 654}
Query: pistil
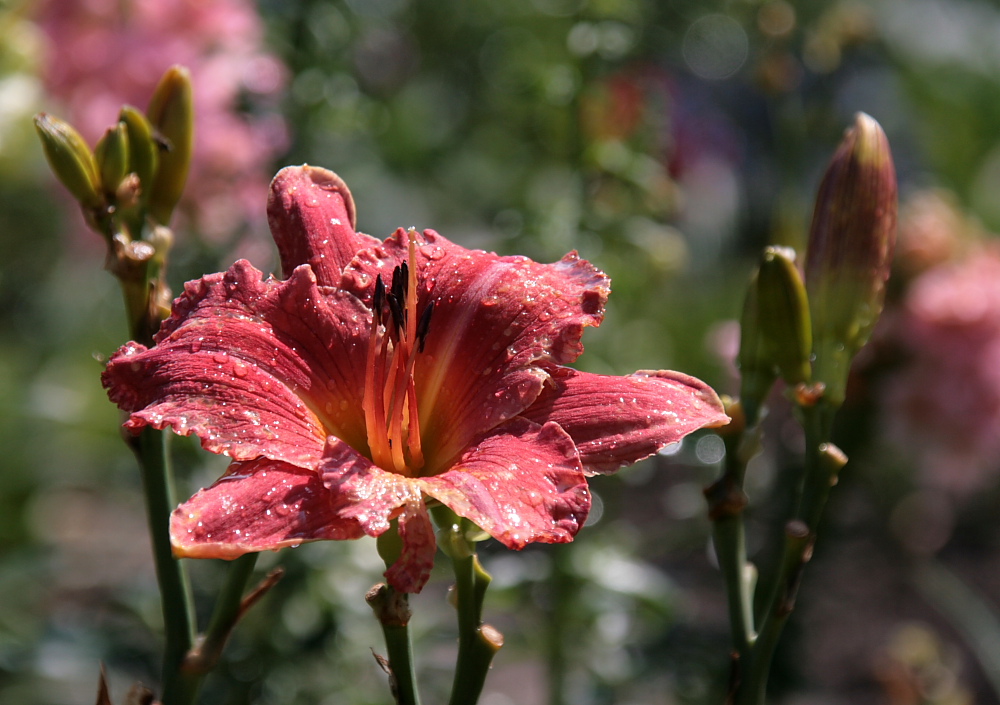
{"x": 390, "y": 399}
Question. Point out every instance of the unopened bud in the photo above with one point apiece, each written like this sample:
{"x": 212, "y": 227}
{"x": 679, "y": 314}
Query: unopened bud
{"x": 784, "y": 315}
{"x": 757, "y": 374}
{"x": 851, "y": 242}
{"x": 144, "y": 152}
{"x": 171, "y": 112}
{"x": 71, "y": 159}
{"x": 112, "y": 157}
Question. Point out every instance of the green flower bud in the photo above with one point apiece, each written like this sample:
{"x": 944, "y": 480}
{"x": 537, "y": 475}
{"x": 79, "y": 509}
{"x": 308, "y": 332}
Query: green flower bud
{"x": 112, "y": 156}
{"x": 757, "y": 373}
{"x": 70, "y": 159}
{"x": 171, "y": 112}
{"x": 144, "y": 153}
{"x": 851, "y": 241}
{"x": 784, "y": 315}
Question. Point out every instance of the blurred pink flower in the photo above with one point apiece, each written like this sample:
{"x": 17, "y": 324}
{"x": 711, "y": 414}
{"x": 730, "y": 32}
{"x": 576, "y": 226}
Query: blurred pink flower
{"x": 103, "y": 53}
{"x": 943, "y": 405}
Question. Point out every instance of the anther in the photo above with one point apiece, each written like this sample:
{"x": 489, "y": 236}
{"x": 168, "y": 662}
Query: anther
{"x": 399, "y": 283}
{"x": 378, "y": 300}
{"x": 424, "y": 325}
{"x": 397, "y": 312}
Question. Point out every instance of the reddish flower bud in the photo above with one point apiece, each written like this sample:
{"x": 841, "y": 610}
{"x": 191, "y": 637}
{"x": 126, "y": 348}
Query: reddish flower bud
{"x": 851, "y": 243}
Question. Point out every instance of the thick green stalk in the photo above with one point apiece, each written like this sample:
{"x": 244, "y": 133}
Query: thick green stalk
{"x": 393, "y": 613}
{"x": 477, "y": 642}
{"x": 727, "y": 500}
{"x": 822, "y": 462}
{"x": 175, "y": 591}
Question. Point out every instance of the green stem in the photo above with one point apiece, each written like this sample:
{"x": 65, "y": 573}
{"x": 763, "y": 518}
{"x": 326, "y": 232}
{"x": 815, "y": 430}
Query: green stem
{"x": 561, "y": 607}
{"x": 393, "y": 613}
{"x": 175, "y": 590}
{"x": 477, "y": 642}
{"x": 229, "y": 607}
{"x": 726, "y": 503}
{"x": 822, "y": 462}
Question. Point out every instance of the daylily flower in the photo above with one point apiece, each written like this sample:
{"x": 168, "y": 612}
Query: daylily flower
{"x": 380, "y": 377}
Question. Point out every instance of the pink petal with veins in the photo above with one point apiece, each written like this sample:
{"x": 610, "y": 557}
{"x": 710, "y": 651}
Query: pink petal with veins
{"x": 615, "y": 421}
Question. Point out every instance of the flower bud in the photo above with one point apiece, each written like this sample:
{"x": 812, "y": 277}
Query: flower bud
{"x": 757, "y": 373}
{"x": 784, "y": 315}
{"x": 144, "y": 153}
{"x": 171, "y": 112}
{"x": 71, "y": 159}
{"x": 112, "y": 157}
{"x": 851, "y": 242}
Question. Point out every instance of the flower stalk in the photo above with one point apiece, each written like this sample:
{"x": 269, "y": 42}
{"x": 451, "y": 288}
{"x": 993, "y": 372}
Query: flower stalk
{"x": 807, "y": 333}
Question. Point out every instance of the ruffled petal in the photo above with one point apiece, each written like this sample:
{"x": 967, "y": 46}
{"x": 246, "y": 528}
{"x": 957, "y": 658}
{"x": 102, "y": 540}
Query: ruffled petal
{"x": 495, "y": 319}
{"x": 259, "y": 505}
{"x": 615, "y": 421}
{"x": 522, "y": 483}
{"x": 311, "y": 214}
{"x": 252, "y": 367}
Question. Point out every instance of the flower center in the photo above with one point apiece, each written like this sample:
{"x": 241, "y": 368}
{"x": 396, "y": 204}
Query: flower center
{"x": 390, "y": 400}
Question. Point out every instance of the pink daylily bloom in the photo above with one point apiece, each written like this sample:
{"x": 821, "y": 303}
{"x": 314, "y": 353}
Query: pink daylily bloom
{"x": 379, "y": 377}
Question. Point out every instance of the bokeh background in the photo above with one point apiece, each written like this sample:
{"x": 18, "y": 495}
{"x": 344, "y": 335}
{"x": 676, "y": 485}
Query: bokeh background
{"x": 667, "y": 142}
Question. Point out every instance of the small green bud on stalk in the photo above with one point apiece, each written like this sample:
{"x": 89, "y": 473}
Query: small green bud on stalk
{"x": 757, "y": 373}
{"x": 783, "y": 309}
{"x": 171, "y": 112}
{"x": 112, "y": 156}
{"x": 851, "y": 242}
{"x": 71, "y": 160}
{"x": 144, "y": 152}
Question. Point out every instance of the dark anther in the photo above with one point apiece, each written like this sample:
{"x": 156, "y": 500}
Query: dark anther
{"x": 378, "y": 300}
{"x": 398, "y": 290}
{"x": 424, "y": 325}
{"x": 396, "y": 310}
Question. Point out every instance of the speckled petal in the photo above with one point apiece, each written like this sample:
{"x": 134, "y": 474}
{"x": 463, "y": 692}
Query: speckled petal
{"x": 495, "y": 319}
{"x": 252, "y": 367}
{"x": 522, "y": 483}
{"x": 312, "y": 219}
{"x": 259, "y": 505}
{"x": 615, "y": 421}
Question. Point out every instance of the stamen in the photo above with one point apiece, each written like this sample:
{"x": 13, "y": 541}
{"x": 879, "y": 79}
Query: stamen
{"x": 390, "y": 399}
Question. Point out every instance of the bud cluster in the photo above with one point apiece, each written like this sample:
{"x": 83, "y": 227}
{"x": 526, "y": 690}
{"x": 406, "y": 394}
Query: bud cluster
{"x": 129, "y": 185}
{"x": 806, "y": 328}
